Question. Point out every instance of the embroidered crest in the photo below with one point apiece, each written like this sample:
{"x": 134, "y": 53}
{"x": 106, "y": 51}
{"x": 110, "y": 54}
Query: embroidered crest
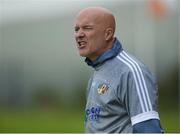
{"x": 102, "y": 89}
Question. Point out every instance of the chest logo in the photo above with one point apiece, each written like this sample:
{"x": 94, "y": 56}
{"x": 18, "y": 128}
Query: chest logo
{"x": 102, "y": 89}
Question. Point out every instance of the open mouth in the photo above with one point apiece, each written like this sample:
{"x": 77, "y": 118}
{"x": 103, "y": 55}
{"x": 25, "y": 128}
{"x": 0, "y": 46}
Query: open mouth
{"x": 81, "y": 44}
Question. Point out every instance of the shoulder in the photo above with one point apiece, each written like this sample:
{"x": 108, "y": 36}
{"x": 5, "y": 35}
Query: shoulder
{"x": 130, "y": 64}
{"x": 130, "y": 61}
{"x": 133, "y": 71}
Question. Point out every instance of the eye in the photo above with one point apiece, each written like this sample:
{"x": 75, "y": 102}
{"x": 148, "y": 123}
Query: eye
{"x": 88, "y": 27}
{"x": 76, "y": 29}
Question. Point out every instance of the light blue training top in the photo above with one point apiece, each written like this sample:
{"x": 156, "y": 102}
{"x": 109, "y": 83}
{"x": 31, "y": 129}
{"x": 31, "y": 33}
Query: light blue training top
{"x": 121, "y": 93}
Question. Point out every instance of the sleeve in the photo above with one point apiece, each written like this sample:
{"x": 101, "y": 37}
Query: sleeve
{"x": 141, "y": 95}
{"x": 149, "y": 126}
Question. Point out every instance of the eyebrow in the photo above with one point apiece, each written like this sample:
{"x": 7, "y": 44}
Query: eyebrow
{"x": 83, "y": 26}
{"x": 88, "y": 25}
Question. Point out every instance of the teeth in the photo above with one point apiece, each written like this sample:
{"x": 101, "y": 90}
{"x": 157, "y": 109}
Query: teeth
{"x": 81, "y": 44}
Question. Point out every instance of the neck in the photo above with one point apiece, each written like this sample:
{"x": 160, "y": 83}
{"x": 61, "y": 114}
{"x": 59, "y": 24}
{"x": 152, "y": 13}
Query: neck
{"x": 108, "y": 54}
{"x": 109, "y": 45}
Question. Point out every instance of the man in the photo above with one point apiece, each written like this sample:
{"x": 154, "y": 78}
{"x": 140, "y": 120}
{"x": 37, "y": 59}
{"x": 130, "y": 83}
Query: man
{"x": 122, "y": 93}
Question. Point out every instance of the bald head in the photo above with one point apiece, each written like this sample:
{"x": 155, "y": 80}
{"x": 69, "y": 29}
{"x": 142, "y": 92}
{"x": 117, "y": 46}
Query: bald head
{"x": 94, "y": 31}
{"x": 100, "y": 15}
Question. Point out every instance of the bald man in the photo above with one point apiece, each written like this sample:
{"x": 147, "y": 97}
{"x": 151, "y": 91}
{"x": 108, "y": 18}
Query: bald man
{"x": 121, "y": 93}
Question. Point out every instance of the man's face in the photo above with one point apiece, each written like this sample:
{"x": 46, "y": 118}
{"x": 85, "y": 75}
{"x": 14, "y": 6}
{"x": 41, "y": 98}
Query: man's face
{"x": 89, "y": 35}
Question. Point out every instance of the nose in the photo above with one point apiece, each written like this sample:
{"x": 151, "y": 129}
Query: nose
{"x": 79, "y": 34}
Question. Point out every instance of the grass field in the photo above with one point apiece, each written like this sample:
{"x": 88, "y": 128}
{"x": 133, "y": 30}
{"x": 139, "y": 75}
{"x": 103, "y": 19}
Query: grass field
{"x": 61, "y": 121}
{"x": 41, "y": 121}
{"x": 170, "y": 121}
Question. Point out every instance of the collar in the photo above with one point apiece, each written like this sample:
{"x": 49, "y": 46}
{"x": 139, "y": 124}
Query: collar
{"x": 108, "y": 54}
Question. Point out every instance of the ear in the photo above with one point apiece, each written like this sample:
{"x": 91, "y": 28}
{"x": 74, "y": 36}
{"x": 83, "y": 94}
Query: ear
{"x": 108, "y": 34}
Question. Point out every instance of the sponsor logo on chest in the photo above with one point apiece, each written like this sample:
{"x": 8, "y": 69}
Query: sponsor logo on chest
{"x": 92, "y": 113}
